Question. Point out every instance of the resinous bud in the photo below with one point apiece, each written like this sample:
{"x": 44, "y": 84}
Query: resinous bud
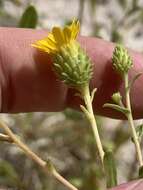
{"x": 73, "y": 66}
{"x": 121, "y": 60}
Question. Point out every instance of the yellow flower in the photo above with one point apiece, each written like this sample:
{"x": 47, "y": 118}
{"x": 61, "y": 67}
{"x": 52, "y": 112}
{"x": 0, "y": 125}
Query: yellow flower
{"x": 59, "y": 38}
{"x": 70, "y": 62}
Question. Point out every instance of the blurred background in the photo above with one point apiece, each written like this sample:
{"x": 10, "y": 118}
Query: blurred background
{"x": 66, "y": 137}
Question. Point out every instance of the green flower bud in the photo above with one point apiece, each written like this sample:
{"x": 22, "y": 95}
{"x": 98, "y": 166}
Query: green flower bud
{"x": 73, "y": 66}
{"x": 116, "y": 97}
{"x": 121, "y": 60}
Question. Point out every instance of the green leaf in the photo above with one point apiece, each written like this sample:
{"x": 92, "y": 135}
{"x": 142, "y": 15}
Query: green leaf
{"x": 110, "y": 169}
{"x": 85, "y": 111}
{"x": 93, "y": 93}
{"x": 115, "y": 35}
{"x": 50, "y": 166}
{"x": 134, "y": 4}
{"x": 141, "y": 172}
{"x": 8, "y": 174}
{"x": 29, "y": 18}
{"x": 134, "y": 79}
{"x": 72, "y": 114}
{"x": 1, "y": 3}
{"x": 139, "y": 131}
{"x": 93, "y": 5}
{"x": 123, "y": 3}
{"x": 16, "y": 2}
{"x": 117, "y": 107}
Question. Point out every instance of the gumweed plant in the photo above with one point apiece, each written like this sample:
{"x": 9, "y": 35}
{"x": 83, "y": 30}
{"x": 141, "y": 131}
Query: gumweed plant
{"x": 73, "y": 67}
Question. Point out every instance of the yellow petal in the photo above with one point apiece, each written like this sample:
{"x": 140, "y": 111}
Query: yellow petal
{"x": 51, "y": 37}
{"x": 46, "y": 45}
{"x": 67, "y": 34}
{"x": 75, "y": 27}
{"x": 58, "y": 35}
{"x": 38, "y": 46}
{"x": 58, "y": 38}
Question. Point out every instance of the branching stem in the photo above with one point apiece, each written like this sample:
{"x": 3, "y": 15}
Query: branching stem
{"x": 48, "y": 167}
{"x": 90, "y": 116}
{"x": 130, "y": 119}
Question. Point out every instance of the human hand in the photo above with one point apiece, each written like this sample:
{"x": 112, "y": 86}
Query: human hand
{"x": 28, "y": 84}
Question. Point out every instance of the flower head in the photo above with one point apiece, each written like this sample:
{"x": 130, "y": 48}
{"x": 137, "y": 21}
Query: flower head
{"x": 121, "y": 60}
{"x": 70, "y": 62}
{"x": 58, "y": 38}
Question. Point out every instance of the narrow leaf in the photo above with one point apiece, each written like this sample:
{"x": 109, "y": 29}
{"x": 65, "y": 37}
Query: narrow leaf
{"x": 134, "y": 79}
{"x": 117, "y": 107}
{"x": 29, "y": 18}
{"x": 93, "y": 93}
{"x": 110, "y": 169}
{"x": 139, "y": 131}
{"x": 123, "y": 3}
{"x": 50, "y": 166}
{"x": 141, "y": 172}
{"x": 85, "y": 111}
{"x": 8, "y": 173}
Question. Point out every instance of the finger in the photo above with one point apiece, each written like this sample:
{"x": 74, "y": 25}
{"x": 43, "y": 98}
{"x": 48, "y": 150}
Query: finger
{"x": 133, "y": 185}
{"x": 29, "y": 84}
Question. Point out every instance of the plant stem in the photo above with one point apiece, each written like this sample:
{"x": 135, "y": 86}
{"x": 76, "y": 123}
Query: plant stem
{"x": 5, "y": 138}
{"x": 47, "y": 167}
{"x": 85, "y": 92}
{"x": 130, "y": 119}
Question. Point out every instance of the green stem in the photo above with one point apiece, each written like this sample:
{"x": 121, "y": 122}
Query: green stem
{"x": 130, "y": 119}
{"x": 90, "y": 116}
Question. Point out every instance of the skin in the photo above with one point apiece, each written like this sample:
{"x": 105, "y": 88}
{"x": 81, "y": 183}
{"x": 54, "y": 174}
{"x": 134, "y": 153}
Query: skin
{"x": 133, "y": 185}
{"x": 28, "y": 83}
